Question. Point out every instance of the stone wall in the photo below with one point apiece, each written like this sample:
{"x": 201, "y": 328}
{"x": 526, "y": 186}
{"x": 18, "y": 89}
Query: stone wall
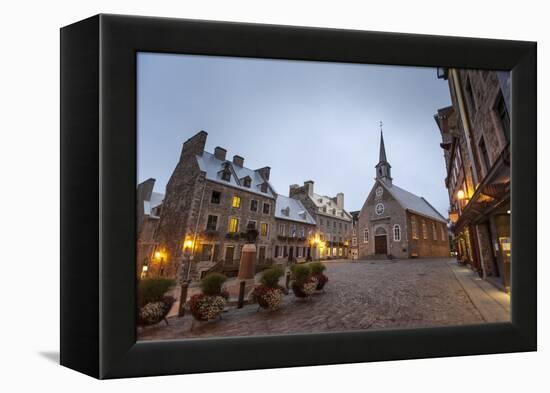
{"x": 429, "y": 245}
{"x": 368, "y": 219}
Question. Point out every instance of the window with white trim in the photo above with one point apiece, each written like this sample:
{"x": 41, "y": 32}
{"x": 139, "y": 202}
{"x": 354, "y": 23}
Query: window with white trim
{"x": 366, "y": 236}
{"x": 396, "y": 233}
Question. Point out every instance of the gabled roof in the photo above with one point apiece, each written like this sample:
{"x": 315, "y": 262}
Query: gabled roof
{"x": 214, "y": 167}
{"x": 296, "y": 211}
{"x": 413, "y": 203}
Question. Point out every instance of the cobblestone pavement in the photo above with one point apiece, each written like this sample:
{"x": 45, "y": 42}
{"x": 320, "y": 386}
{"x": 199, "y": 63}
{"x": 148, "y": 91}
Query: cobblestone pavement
{"x": 359, "y": 295}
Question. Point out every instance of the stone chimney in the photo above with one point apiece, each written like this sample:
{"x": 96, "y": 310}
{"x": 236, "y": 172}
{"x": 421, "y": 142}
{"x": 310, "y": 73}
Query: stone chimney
{"x": 219, "y": 153}
{"x": 238, "y": 160}
{"x": 308, "y": 186}
{"x": 194, "y": 145}
{"x": 340, "y": 200}
{"x": 293, "y": 189}
{"x": 265, "y": 171}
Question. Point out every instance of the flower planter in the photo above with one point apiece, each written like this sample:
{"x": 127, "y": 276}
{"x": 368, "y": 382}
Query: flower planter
{"x": 321, "y": 281}
{"x": 306, "y": 288}
{"x": 154, "y": 312}
{"x": 206, "y": 308}
{"x": 268, "y": 298}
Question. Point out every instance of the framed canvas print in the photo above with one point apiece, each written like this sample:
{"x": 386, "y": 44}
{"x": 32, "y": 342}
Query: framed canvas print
{"x": 240, "y": 196}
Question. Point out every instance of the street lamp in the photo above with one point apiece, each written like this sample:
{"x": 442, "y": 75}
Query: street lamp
{"x": 460, "y": 195}
{"x": 160, "y": 259}
{"x": 187, "y": 250}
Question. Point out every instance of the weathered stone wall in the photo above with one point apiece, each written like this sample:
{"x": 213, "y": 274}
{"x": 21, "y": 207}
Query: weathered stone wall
{"x": 429, "y": 246}
{"x": 368, "y": 219}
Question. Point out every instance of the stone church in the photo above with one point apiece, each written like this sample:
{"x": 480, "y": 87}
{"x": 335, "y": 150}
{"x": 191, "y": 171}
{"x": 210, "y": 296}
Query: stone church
{"x": 396, "y": 223}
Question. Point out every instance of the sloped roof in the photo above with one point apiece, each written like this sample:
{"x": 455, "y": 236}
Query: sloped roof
{"x": 414, "y": 203}
{"x": 156, "y": 200}
{"x": 214, "y": 167}
{"x": 322, "y": 201}
{"x": 296, "y": 211}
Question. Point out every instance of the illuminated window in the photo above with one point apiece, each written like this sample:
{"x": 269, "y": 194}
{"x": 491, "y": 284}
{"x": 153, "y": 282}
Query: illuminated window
{"x": 233, "y": 225}
{"x": 414, "y": 229}
{"x": 236, "y": 202}
{"x": 396, "y": 233}
{"x": 263, "y": 228}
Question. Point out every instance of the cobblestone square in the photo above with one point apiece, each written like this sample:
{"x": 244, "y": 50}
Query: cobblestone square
{"x": 360, "y": 295}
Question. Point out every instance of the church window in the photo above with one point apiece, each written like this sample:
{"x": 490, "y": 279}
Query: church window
{"x": 366, "y": 236}
{"x": 424, "y": 230}
{"x": 443, "y": 232}
{"x": 396, "y": 233}
{"x": 414, "y": 229}
{"x": 379, "y": 209}
{"x": 434, "y": 231}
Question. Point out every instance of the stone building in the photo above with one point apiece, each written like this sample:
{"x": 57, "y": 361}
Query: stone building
{"x": 396, "y": 223}
{"x": 209, "y": 203}
{"x": 333, "y": 222}
{"x": 149, "y": 205}
{"x": 475, "y": 133}
{"x": 354, "y": 245}
{"x": 295, "y": 227}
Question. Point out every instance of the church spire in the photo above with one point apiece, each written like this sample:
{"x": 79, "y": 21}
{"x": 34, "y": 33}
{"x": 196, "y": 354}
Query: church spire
{"x": 383, "y": 168}
{"x": 382, "y": 147}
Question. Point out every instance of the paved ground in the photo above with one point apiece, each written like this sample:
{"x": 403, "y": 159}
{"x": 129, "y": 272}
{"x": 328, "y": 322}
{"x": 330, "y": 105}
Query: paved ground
{"x": 360, "y": 295}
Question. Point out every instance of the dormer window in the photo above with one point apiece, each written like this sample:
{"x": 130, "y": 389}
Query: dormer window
{"x": 333, "y": 212}
{"x": 263, "y": 187}
{"x": 247, "y": 181}
{"x": 286, "y": 211}
{"x": 226, "y": 175}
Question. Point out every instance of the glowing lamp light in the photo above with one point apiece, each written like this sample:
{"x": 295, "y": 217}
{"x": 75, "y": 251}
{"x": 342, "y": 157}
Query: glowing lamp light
{"x": 460, "y": 194}
{"x": 157, "y": 255}
{"x": 145, "y": 268}
{"x": 188, "y": 244}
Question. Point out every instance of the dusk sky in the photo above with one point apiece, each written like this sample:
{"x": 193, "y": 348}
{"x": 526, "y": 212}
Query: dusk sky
{"x": 306, "y": 120}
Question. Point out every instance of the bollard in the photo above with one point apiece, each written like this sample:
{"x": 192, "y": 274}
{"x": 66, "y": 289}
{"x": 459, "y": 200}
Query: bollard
{"x": 241, "y": 294}
{"x": 183, "y": 299}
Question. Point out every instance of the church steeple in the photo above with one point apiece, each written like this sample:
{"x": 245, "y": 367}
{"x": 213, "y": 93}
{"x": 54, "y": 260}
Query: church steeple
{"x": 383, "y": 168}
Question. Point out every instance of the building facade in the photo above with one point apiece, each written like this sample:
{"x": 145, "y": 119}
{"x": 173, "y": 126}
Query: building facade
{"x": 210, "y": 205}
{"x": 333, "y": 223}
{"x": 149, "y": 206}
{"x": 394, "y": 223}
{"x": 475, "y": 134}
{"x": 295, "y": 227}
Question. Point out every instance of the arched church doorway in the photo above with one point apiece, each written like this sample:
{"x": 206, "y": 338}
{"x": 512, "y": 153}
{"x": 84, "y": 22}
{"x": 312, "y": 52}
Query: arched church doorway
{"x": 380, "y": 241}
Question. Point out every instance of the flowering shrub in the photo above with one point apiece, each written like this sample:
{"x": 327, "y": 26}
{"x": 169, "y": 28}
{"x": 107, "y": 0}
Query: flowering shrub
{"x": 306, "y": 288}
{"x": 205, "y": 308}
{"x": 310, "y": 286}
{"x": 267, "y": 297}
{"x": 154, "y": 312}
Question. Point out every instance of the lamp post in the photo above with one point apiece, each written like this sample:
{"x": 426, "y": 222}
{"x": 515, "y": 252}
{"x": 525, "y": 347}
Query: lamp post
{"x": 187, "y": 248}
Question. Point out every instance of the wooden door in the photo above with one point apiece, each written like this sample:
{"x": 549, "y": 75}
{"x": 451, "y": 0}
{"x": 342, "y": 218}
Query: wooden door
{"x": 380, "y": 244}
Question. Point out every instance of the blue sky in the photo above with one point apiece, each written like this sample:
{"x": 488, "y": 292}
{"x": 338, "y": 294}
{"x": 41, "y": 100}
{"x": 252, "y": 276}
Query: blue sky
{"x": 306, "y": 120}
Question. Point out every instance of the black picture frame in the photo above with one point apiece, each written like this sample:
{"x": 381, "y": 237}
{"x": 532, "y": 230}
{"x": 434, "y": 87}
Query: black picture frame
{"x": 98, "y": 190}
